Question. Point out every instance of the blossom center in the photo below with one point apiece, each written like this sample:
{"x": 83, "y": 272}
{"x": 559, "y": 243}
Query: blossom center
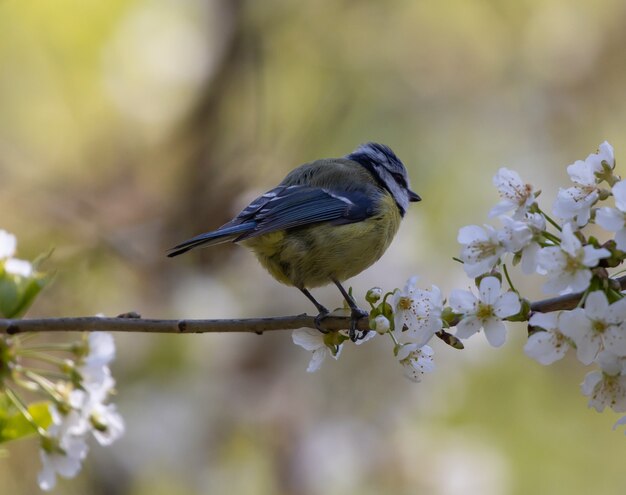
{"x": 484, "y": 250}
{"x": 521, "y": 192}
{"x": 405, "y": 303}
{"x": 484, "y": 311}
{"x": 599, "y": 326}
{"x": 610, "y": 388}
{"x": 572, "y": 264}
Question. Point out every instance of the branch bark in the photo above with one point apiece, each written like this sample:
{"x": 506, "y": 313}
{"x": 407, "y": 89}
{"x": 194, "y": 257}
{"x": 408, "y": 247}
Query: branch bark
{"x": 134, "y": 323}
{"x": 138, "y": 324}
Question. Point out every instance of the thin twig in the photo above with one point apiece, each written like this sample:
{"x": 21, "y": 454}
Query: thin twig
{"x": 94, "y": 323}
{"x": 134, "y": 323}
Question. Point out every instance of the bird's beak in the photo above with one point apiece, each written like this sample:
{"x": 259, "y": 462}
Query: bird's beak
{"x": 413, "y": 197}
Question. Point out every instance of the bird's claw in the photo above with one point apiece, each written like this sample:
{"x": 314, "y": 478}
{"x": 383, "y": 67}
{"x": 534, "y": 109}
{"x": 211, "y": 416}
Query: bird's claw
{"x": 355, "y": 316}
{"x": 319, "y": 319}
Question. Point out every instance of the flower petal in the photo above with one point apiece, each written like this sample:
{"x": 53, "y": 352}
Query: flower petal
{"x": 615, "y": 339}
{"x": 589, "y": 383}
{"x": 593, "y": 255}
{"x": 308, "y": 338}
{"x": 619, "y": 193}
{"x": 610, "y": 219}
{"x": 545, "y": 347}
{"x": 579, "y": 281}
{"x": 529, "y": 258}
{"x": 596, "y": 305}
{"x": 489, "y": 290}
{"x": 549, "y": 321}
{"x": 468, "y": 327}
{"x": 317, "y": 359}
{"x": 8, "y": 243}
{"x": 462, "y": 301}
{"x": 508, "y": 304}
{"x": 616, "y": 312}
{"x": 495, "y": 331}
{"x": 620, "y": 239}
{"x": 569, "y": 242}
{"x": 471, "y": 233}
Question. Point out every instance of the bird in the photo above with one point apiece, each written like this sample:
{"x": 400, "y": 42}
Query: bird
{"x": 327, "y": 221}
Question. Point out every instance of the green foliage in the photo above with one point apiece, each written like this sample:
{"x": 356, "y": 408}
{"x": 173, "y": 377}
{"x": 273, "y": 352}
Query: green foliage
{"x": 17, "y": 293}
{"x": 14, "y": 425}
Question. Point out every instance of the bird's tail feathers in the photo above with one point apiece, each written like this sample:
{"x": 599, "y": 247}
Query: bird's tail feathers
{"x": 218, "y": 236}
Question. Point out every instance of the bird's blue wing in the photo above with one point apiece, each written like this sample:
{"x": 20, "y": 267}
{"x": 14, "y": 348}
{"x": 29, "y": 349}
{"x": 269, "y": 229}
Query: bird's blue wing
{"x": 294, "y": 206}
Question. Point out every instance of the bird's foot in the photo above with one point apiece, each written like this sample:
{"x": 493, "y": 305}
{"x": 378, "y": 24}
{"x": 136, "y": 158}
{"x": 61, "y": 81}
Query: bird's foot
{"x": 355, "y": 334}
{"x": 320, "y": 318}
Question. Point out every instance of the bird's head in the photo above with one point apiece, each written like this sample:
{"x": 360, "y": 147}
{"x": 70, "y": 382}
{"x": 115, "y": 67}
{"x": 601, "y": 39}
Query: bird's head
{"x": 388, "y": 170}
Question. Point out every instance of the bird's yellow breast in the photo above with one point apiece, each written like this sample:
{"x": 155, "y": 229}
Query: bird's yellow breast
{"x": 314, "y": 255}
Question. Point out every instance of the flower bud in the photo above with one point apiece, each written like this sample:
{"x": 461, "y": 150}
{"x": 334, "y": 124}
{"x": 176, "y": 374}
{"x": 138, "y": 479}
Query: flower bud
{"x": 381, "y": 324}
{"x": 373, "y": 295}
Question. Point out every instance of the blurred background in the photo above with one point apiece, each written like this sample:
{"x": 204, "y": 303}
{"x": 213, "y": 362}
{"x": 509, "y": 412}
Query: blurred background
{"x": 128, "y": 126}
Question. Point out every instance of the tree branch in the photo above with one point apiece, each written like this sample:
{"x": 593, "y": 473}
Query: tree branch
{"x": 568, "y": 301}
{"x": 138, "y": 324}
{"x": 132, "y": 322}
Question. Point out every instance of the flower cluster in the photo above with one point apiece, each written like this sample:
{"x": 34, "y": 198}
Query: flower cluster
{"x": 572, "y": 261}
{"x": 411, "y": 320}
{"x": 575, "y": 265}
{"x": 73, "y": 378}
{"x": 76, "y": 388}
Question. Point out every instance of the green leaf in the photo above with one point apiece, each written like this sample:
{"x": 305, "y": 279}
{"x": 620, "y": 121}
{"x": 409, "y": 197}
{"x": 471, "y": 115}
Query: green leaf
{"x": 18, "y": 293}
{"x": 13, "y": 424}
{"x": 8, "y": 295}
{"x": 30, "y": 289}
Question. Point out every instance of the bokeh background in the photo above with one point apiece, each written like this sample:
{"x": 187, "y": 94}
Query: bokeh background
{"x": 127, "y": 126}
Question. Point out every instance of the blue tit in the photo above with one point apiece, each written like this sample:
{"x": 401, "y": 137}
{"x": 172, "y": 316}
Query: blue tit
{"x": 327, "y": 221}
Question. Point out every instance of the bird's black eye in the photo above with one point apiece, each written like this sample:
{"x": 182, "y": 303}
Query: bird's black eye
{"x": 399, "y": 178}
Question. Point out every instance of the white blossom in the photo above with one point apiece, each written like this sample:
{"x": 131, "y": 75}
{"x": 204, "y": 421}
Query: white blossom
{"x": 515, "y": 193}
{"x": 614, "y": 219}
{"x": 98, "y": 418}
{"x": 596, "y": 327}
{"x": 13, "y": 266}
{"x": 84, "y": 412}
{"x": 567, "y": 265}
{"x": 62, "y": 450}
{"x": 363, "y": 337}
{"x": 66, "y": 461}
{"x": 547, "y": 346}
{"x": 108, "y": 423}
{"x": 101, "y": 349}
{"x": 515, "y": 235}
{"x": 605, "y": 390}
{"x": 94, "y": 366}
{"x": 611, "y": 363}
{"x": 8, "y": 244}
{"x": 313, "y": 340}
{"x": 574, "y": 203}
{"x": 529, "y": 263}
{"x": 21, "y": 268}
{"x": 416, "y": 360}
{"x": 485, "y": 311}
{"x": 481, "y": 250}
{"x": 606, "y": 387}
{"x": 604, "y": 154}
{"x": 522, "y": 237}
{"x": 417, "y": 313}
